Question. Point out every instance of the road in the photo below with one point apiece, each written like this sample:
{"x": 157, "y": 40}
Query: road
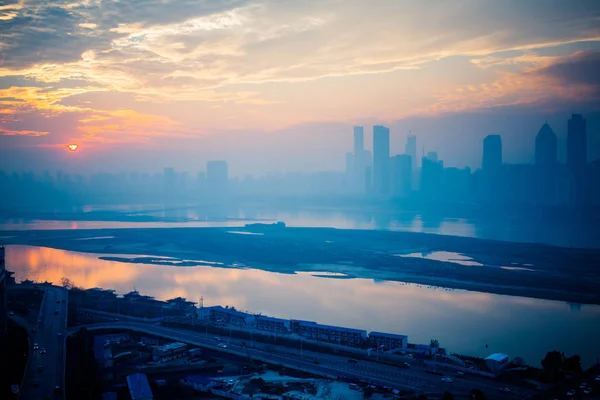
{"x": 38, "y": 384}
{"x": 329, "y": 365}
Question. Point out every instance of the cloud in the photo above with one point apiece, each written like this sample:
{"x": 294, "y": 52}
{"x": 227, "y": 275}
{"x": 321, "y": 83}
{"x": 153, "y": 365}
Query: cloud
{"x": 581, "y": 68}
{"x": 10, "y": 132}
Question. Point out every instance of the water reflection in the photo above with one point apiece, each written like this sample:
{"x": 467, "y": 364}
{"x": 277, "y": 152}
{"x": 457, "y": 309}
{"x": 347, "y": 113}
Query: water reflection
{"x": 463, "y": 321}
{"x": 559, "y": 233}
{"x": 447, "y": 256}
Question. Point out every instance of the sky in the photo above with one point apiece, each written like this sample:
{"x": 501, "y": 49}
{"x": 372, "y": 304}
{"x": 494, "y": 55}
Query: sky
{"x": 276, "y": 85}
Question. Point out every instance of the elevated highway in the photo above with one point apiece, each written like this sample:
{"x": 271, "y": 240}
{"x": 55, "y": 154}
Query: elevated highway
{"x": 45, "y": 373}
{"x": 329, "y": 366}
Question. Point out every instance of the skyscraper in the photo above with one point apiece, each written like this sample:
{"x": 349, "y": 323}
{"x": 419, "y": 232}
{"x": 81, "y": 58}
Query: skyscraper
{"x": 546, "y": 165}
{"x": 168, "y": 184}
{"x": 411, "y": 149}
{"x": 492, "y": 153}
{"x": 546, "y": 148}
{"x": 359, "y": 140}
{"x": 381, "y": 160}
{"x": 217, "y": 175}
{"x": 401, "y": 174}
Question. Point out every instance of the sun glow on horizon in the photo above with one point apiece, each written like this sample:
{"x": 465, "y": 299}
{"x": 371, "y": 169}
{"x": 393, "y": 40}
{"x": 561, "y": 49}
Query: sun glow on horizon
{"x": 73, "y": 147}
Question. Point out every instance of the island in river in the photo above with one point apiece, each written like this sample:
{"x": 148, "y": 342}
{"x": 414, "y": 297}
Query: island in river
{"x": 530, "y": 270}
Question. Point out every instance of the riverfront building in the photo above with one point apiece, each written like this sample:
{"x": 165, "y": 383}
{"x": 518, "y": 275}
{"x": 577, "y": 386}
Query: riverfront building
{"x": 272, "y": 324}
{"x": 389, "y": 341}
{"x": 329, "y": 333}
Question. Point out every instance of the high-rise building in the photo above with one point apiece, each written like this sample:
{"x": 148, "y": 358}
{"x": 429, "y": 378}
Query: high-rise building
{"x": 401, "y": 174}
{"x": 350, "y": 167}
{"x": 217, "y": 176}
{"x": 411, "y": 149}
{"x": 169, "y": 184}
{"x": 432, "y": 175}
{"x": 546, "y": 148}
{"x": 359, "y": 140}
{"x": 492, "y": 153}
{"x": 381, "y": 160}
{"x": 546, "y": 163}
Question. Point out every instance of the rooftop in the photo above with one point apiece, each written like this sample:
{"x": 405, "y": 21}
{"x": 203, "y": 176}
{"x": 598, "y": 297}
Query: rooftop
{"x": 172, "y": 346}
{"x": 388, "y": 335}
{"x": 497, "y": 357}
{"x": 266, "y": 318}
{"x": 334, "y": 328}
{"x": 138, "y": 387}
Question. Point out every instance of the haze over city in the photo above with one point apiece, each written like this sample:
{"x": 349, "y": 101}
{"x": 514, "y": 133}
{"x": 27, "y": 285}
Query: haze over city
{"x": 275, "y": 86}
{"x": 300, "y": 199}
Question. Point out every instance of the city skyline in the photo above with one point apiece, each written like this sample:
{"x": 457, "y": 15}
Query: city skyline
{"x": 262, "y": 83}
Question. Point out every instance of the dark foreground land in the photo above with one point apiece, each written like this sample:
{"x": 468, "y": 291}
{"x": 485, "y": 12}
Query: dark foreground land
{"x": 536, "y": 270}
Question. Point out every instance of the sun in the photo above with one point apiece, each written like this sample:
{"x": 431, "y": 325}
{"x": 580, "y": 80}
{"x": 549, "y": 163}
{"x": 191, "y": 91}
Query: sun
{"x": 73, "y": 147}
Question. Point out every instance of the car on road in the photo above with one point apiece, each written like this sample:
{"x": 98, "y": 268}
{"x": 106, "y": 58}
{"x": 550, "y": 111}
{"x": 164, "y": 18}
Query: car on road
{"x": 56, "y": 312}
{"x": 57, "y": 301}
{"x": 571, "y": 392}
{"x": 36, "y": 383}
{"x": 587, "y": 391}
{"x": 505, "y": 390}
{"x": 404, "y": 365}
{"x": 218, "y": 339}
{"x": 447, "y": 379}
{"x": 11, "y": 313}
{"x": 35, "y": 347}
{"x": 460, "y": 373}
{"x": 40, "y": 368}
{"x": 56, "y": 389}
{"x": 33, "y": 330}
{"x": 222, "y": 345}
{"x": 59, "y": 334}
{"x": 43, "y": 351}
{"x": 583, "y": 385}
{"x": 598, "y": 378}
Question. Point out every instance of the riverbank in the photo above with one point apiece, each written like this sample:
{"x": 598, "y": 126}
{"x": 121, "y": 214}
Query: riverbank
{"x": 528, "y": 270}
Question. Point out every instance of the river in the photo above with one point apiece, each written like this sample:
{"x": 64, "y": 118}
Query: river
{"x": 463, "y": 321}
{"x": 552, "y": 232}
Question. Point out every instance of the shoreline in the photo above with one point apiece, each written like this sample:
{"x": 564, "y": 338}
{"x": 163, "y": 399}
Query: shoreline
{"x": 552, "y": 273}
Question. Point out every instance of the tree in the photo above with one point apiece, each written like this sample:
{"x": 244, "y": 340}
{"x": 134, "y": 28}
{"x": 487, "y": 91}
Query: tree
{"x": 434, "y": 343}
{"x": 552, "y": 363}
{"x": 477, "y": 394}
{"x": 519, "y": 362}
{"x": 447, "y": 396}
{"x": 66, "y": 283}
{"x": 572, "y": 364}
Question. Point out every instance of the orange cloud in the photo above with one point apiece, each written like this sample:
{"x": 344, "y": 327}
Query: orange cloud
{"x": 11, "y": 132}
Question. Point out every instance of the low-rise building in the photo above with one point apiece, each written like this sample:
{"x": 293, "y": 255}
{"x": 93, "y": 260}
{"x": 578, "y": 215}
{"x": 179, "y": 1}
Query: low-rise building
{"x": 296, "y": 395}
{"x": 333, "y": 334}
{"x": 389, "y": 341}
{"x": 200, "y": 383}
{"x": 272, "y": 324}
{"x": 496, "y": 362}
{"x": 139, "y": 389}
{"x": 226, "y": 315}
{"x": 169, "y": 351}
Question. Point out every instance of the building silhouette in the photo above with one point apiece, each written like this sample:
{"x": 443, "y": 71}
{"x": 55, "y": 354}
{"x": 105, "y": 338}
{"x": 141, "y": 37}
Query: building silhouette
{"x": 577, "y": 158}
{"x": 546, "y": 164}
{"x": 217, "y": 175}
{"x": 432, "y": 175}
{"x": 546, "y": 148}
{"x": 169, "y": 184}
{"x": 381, "y": 160}
{"x": 492, "y": 153}
{"x": 401, "y": 175}
{"x": 359, "y": 140}
{"x": 411, "y": 149}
